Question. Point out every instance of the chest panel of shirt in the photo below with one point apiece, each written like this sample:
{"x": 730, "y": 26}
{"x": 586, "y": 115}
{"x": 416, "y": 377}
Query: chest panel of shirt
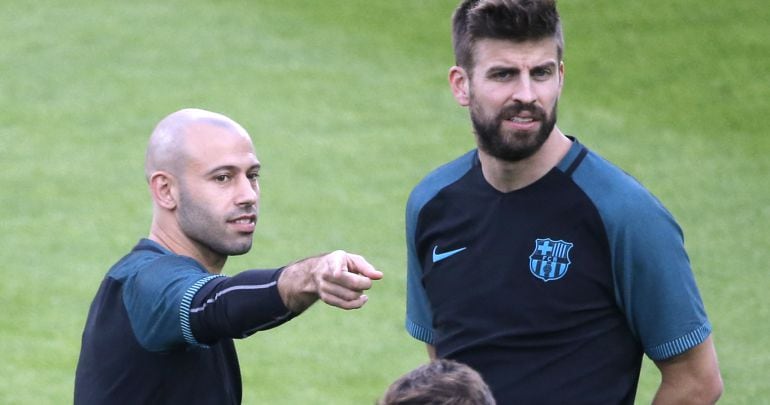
{"x": 487, "y": 292}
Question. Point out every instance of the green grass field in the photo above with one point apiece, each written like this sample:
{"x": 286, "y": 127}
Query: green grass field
{"x": 348, "y": 106}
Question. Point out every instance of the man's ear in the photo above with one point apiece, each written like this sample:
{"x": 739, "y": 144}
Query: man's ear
{"x": 163, "y": 190}
{"x": 460, "y": 84}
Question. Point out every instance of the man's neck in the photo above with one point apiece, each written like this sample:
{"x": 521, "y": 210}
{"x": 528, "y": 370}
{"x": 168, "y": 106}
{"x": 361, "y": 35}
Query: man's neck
{"x": 510, "y": 176}
{"x": 177, "y": 243}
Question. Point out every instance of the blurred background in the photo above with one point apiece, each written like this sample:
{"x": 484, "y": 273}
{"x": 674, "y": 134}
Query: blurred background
{"x": 348, "y": 106}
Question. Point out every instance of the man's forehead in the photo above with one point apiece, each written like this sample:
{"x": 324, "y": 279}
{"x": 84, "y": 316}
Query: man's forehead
{"x": 214, "y": 133}
{"x": 488, "y": 52}
{"x": 209, "y": 144}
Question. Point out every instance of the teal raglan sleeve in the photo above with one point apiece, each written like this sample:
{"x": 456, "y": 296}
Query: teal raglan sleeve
{"x": 419, "y": 316}
{"x": 418, "y": 313}
{"x": 654, "y": 283}
{"x": 157, "y": 298}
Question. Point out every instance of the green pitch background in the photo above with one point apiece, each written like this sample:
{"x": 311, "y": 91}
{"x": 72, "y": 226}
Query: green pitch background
{"x": 348, "y": 106}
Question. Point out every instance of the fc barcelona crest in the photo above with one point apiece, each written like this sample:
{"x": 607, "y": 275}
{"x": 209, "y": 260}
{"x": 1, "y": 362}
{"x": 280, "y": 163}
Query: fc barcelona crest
{"x": 550, "y": 259}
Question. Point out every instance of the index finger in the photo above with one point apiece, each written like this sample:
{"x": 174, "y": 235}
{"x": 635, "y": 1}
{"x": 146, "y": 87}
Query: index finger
{"x": 357, "y": 264}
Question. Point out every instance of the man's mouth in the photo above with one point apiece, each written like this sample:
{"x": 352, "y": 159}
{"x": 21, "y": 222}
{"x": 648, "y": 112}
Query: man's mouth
{"x": 244, "y": 223}
{"x": 522, "y": 117}
{"x": 522, "y": 113}
{"x": 245, "y": 220}
{"x": 523, "y": 120}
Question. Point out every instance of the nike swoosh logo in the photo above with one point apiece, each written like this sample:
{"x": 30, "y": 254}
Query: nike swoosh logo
{"x": 437, "y": 257}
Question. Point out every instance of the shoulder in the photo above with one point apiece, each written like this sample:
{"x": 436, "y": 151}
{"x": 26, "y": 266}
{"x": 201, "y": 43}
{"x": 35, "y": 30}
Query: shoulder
{"x": 157, "y": 288}
{"x": 151, "y": 267}
{"x": 618, "y": 196}
{"x": 439, "y": 179}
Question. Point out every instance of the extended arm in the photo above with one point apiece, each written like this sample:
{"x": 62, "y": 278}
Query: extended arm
{"x": 253, "y": 300}
{"x": 236, "y": 307}
{"x": 693, "y": 377}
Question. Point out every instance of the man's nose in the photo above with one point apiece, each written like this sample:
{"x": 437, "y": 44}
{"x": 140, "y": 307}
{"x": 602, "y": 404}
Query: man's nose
{"x": 524, "y": 91}
{"x": 247, "y": 191}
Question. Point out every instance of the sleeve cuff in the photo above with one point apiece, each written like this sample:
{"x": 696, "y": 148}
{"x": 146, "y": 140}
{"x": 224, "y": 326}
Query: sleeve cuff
{"x": 680, "y": 345}
{"x": 419, "y": 332}
{"x": 184, "y": 310}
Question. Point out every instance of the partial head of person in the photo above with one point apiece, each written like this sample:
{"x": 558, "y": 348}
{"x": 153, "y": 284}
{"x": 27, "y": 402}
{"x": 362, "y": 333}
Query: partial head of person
{"x": 509, "y": 72}
{"x": 203, "y": 176}
{"x": 440, "y": 382}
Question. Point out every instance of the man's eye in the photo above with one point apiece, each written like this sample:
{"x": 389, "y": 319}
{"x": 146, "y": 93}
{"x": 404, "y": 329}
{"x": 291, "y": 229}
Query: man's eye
{"x": 222, "y": 178}
{"x": 253, "y": 176}
{"x": 502, "y": 75}
{"x": 542, "y": 73}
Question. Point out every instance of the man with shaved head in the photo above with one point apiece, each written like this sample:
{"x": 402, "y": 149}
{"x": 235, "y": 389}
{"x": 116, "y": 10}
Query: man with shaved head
{"x": 161, "y": 326}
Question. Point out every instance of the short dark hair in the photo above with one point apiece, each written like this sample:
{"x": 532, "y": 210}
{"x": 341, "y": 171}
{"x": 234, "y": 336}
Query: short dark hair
{"x": 440, "y": 382}
{"x": 515, "y": 20}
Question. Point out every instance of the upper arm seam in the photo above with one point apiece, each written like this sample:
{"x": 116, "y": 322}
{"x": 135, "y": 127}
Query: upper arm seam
{"x": 184, "y": 309}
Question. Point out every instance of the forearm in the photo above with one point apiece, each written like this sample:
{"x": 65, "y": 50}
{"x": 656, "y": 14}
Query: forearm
{"x": 238, "y": 306}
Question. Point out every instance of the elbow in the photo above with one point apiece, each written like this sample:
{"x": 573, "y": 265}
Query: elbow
{"x": 710, "y": 386}
{"x": 704, "y": 388}
{"x": 713, "y": 389}
{"x": 698, "y": 393}
{"x": 707, "y": 391}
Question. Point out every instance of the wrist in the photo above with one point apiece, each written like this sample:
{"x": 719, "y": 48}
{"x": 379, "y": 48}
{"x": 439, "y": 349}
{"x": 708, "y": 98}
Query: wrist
{"x": 297, "y": 285}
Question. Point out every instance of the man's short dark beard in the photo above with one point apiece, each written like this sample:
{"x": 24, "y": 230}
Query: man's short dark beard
{"x": 201, "y": 226}
{"x": 520, "y": 145}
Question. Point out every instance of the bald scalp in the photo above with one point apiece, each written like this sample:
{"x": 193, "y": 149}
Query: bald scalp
{"x": 166, "y": 149}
